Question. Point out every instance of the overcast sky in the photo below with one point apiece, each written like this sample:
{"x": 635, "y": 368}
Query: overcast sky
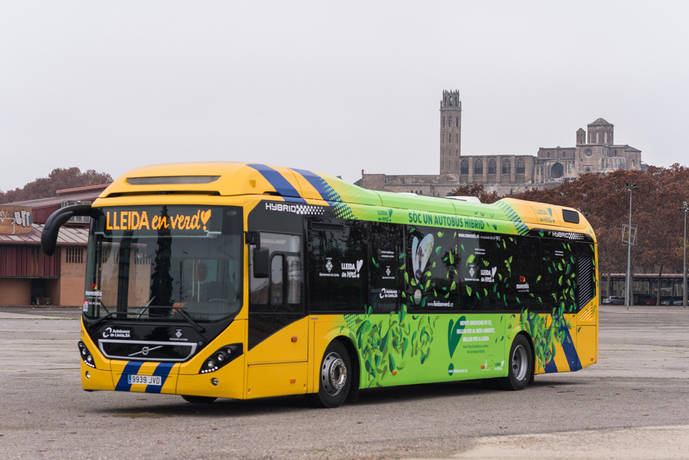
{"x": 331, "y": 86}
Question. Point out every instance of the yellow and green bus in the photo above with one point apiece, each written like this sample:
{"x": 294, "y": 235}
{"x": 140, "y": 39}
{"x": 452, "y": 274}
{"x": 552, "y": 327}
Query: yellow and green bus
{"x": 241, "y": 280}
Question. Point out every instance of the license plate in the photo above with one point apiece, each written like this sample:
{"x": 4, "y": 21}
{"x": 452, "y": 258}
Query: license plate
{"x": 154, "y": 380}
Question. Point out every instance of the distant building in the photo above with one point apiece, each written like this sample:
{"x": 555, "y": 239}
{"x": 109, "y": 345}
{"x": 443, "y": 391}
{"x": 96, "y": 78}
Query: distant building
{"x": 594, "y": 152}
{"x": 29, "y": 277}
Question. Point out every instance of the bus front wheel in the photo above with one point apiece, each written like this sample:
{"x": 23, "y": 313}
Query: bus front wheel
{"x": 335, "y": 375}
{"x": 520, "y": 364}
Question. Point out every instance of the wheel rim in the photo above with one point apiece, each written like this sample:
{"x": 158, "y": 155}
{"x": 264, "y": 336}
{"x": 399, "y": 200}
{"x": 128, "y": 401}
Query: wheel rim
{"x": 519, "y": 363}
{"x": 333, "y": 374}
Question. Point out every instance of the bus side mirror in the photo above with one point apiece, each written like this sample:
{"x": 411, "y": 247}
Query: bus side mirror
{"x": 253, "y": 238}
{"x": 56, "y": 220}
{"x": 261, "y": 262}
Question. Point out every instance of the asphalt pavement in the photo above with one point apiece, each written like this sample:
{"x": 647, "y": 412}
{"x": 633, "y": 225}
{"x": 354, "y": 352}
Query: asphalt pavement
{"x": 632, "y": 404}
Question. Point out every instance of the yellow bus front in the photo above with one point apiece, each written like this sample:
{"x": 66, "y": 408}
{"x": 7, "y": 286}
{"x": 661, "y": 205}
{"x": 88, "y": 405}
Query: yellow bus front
{"x": 163, "y": 303}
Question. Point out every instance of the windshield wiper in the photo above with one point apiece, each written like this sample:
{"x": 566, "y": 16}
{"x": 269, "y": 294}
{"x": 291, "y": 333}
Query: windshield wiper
{"x": 109, "y": 315}
{"x": 106, "y": 308}
{"x": 190, "y": 320}
{"x": 146, "y": 307}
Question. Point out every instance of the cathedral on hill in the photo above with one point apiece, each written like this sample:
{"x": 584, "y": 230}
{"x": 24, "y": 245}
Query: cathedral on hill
{"x": 595, "y": 152}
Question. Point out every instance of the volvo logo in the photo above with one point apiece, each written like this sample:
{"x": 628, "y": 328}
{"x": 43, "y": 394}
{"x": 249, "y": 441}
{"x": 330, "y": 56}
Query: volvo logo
{"x": 145, "y": 350}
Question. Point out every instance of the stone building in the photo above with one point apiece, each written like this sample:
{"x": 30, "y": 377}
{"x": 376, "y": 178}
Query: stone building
{"x": 594, "y": 152}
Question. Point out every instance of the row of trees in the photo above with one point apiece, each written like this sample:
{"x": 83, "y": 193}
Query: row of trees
{"x": 58, "y": 179}
{"x": 602, "y": 198}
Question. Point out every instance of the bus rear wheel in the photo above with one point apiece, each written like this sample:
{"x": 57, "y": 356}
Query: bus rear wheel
{"x": 335, "y": 375}
{"x": 520, "y": 364}
{"x": 199, "y": 399}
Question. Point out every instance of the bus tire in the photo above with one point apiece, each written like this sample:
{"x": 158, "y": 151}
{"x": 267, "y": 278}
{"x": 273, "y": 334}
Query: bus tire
{"x": 334, "y": 375}
{"x": 520, "y": 365}
{"x": 199, "y": 399}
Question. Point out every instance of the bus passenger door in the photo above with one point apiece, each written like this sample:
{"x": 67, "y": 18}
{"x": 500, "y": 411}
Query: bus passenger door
{"x": 277, "y": 327}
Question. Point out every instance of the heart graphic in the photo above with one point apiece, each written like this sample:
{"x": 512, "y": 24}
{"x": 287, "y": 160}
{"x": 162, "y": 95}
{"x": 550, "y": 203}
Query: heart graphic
{"x": 420, "y": 252}
{"x": 453, "y": 336}
{"x": 205, "y": 215}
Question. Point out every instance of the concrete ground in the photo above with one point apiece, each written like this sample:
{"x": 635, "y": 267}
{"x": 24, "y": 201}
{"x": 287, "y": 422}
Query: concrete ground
{"x": 632, "y": 404}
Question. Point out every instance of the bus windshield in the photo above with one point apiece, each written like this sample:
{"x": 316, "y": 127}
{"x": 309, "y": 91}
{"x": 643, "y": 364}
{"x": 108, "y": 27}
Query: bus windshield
{"x": 172, "y": 263}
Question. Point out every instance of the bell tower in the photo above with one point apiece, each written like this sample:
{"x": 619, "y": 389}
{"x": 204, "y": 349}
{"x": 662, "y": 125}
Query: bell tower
{"x": 450, "y": 132}
{"x": 601, "y": 132}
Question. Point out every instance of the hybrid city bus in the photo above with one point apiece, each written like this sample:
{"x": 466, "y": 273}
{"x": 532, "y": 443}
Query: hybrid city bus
{"x": 240, "y": 280}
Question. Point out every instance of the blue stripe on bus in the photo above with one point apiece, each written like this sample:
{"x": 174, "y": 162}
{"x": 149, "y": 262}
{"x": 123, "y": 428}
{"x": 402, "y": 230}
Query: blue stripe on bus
{"x": 571, "y": 352}
{"x": 131, "y": 368}
{"x": 163, "y": 370}
{"x": 550, "y": 366}
{"x": 321, "y": 186}
{"x": 327, "y": 193}
{"x": 279, "y": 183}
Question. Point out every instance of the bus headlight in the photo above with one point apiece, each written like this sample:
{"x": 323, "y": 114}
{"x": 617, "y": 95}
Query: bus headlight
{"x": 86, "y": 355}
{"x": 221, "y": 357}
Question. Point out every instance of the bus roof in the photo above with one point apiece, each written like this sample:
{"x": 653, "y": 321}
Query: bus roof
{"x": 305, "y": 186}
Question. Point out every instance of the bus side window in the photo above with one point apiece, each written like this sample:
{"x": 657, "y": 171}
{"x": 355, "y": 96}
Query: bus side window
{"x": 482, "y": 271}
{"x": 387, "y": 256}
{"x": 294, "y": 278}
{"x": 276, "y": 279}
{"x": 337, "y": 267}
{"x": 501, "y": 273}
{"x": 431, "y": 269}
{"x": 558, "y": 270}
{"x": 585, "y": 274}
{"x": 525, "y": 285}
{"x": 258, "y": 287}
{"x": 282, "y": 290}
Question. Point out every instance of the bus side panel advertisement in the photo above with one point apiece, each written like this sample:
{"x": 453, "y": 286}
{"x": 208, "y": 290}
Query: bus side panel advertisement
{"x": 403, "y": 348}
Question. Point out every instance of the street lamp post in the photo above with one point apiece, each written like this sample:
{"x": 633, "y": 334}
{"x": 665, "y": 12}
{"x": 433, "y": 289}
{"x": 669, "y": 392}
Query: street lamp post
{"x": 685, "y": 208}
{"x": 628, "y": 288}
